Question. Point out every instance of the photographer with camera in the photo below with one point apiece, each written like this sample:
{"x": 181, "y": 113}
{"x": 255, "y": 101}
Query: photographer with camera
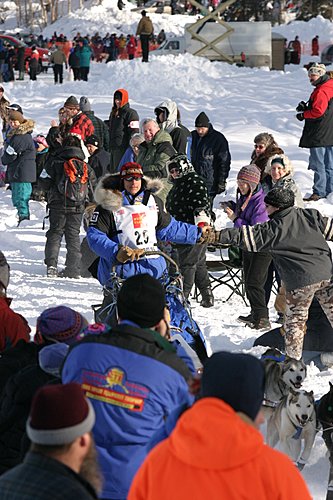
{"x": 318, "y": 133}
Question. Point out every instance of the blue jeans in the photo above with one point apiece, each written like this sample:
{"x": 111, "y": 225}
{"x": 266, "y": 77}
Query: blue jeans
{"x": 21, "y": 192}
{"x": 321, "y": 162}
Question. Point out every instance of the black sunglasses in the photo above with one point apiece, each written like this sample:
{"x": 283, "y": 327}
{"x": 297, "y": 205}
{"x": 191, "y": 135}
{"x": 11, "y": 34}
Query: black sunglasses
{"x": 132, "y": 178}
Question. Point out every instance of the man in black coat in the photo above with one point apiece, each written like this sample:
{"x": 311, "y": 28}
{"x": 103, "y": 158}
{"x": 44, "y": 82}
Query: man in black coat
{"x": 123, "y": 123}
{"x": 210, "y": 155}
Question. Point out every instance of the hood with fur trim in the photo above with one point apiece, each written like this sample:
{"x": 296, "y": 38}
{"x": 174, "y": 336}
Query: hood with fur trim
{"x": 108, "y": 191}
{"x": 25, "y": 127}
{"x": 286, "y": 163}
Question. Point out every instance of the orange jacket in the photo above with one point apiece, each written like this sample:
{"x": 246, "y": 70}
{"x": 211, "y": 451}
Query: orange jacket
{"x": 214, "y": 453}
{"x": 13, "y": 327}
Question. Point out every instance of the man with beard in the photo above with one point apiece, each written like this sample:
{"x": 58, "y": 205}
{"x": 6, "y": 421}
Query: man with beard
{"x": 61, "y": 462}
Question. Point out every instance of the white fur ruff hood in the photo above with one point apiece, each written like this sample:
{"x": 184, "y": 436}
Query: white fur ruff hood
{"x": 111, "y": 198}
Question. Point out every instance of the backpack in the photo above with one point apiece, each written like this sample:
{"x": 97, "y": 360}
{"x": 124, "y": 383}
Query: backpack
{"x": 75, "y": 181}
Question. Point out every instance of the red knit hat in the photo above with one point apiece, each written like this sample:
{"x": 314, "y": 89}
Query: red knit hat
{"x": 59, "y": 414}
{"x": 131, "y": 169}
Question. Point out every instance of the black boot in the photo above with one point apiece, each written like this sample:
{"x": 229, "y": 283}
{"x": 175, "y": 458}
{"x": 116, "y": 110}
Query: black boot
{"x": 207, "y": 298}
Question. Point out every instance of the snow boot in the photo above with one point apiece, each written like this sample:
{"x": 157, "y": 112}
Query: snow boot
{"x": 207, "y": 298}
{"x": 52, "y": 272}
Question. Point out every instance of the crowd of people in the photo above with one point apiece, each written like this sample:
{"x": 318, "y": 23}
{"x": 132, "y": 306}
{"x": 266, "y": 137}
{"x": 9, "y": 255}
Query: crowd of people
{"x": 78, "y": 53}
{"x": 129, "y": 180}
{"x": 90, "y": 412}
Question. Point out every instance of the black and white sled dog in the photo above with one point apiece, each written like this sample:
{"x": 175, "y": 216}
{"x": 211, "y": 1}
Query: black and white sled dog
{"x": 294, "y": 422}
{"x": 282, "y": 373}
{"x": 325, "y": 417}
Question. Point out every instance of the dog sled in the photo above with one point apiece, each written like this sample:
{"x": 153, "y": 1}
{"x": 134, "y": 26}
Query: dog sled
{"x": 183, "y": 328}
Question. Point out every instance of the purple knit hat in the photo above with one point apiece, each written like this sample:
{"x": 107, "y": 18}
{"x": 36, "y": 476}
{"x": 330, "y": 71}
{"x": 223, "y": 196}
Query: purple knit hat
{"x": 59, "y": 324}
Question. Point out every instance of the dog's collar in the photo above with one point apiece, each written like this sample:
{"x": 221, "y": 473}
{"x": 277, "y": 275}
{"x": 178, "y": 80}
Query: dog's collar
{"x": 298, "y": 432}
{"x": 279, "y": 359}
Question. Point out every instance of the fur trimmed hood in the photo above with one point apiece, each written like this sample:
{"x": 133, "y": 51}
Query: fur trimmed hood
{"x": 286, "y": 164}
{"x": 108, "y": 190}
{"x": 25, "y": 127}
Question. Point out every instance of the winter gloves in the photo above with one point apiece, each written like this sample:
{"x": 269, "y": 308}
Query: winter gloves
{"x": 126, "y": 253}
{"x": 209, "y": 235}
{"x": 301, "y": 106}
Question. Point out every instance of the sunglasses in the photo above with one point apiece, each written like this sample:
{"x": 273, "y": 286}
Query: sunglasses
{"x": 132, "y": 178}
{"x": 259, "y": 146}
{"x": 174, "y": 170}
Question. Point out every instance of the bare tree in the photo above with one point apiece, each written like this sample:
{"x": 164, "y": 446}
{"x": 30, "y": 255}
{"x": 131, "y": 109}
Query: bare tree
{"x": 44, "y": 13}
{"x": 54, "y": 10}
{"x": 18, "y": 12}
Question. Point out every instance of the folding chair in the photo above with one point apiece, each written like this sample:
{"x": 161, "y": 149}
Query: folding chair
{"x": 225, "y": 272}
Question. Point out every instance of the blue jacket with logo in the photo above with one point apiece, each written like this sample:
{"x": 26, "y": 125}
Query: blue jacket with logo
{"x": 134, "y": 379}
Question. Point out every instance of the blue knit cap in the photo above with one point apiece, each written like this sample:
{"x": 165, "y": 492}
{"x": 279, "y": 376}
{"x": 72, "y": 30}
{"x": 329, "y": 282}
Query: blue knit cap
{"x": 237, "y": 379}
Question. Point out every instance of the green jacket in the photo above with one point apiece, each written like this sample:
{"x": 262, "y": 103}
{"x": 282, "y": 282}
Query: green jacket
{"x": 153, "y": 157}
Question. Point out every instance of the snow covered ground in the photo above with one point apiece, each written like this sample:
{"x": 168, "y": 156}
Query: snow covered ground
{"x": 240, "y": 102}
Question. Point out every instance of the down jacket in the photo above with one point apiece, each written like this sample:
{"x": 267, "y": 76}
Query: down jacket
{"x": 215, "y": 453}
{"x": 211, "y": 158}
{"x": 318, "y": 131}
{"x": 123, "y": 123}
{"x": 21, "y": 165}
{"x": 104, "y": 241}
{"x": 134, "y": 379}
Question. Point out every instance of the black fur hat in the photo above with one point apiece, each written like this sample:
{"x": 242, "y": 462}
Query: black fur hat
{"x": 280, "y": 198}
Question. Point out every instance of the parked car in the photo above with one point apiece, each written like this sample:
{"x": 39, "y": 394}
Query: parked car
{"x": 44, "y": 54}
{"x": 162, "y": 7}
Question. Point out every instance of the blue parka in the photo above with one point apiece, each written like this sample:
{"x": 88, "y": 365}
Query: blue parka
{"x": 134, "y": 379}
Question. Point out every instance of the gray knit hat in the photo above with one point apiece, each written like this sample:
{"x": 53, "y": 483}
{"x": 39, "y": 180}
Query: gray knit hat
{"x": 85, "y": 104}
{"x": 4, "y": 272}
{"x": 72, "y": 103}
